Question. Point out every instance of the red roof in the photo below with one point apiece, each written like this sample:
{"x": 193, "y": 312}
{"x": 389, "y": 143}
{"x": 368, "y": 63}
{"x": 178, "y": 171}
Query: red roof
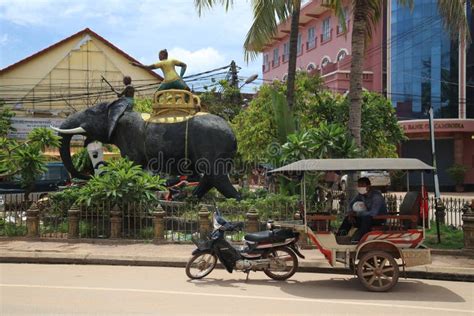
{"x": 84, "y": 31}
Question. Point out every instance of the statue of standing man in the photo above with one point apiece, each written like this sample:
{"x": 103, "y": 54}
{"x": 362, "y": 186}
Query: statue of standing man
{"x": 171, "y": 78}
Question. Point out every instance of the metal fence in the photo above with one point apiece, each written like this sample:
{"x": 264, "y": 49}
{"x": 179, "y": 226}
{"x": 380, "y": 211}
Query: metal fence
{"x": 453, "y": 208}
{"x": 180, "y": 220}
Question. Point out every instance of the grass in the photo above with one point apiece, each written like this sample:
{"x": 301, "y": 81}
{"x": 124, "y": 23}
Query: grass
{"x": 451, "y": 238}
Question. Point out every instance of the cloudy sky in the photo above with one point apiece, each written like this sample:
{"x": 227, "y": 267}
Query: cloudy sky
{"x": 140, "y": 28}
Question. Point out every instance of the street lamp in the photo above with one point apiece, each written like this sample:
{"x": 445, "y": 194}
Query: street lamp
{"x": 249, "y": 80}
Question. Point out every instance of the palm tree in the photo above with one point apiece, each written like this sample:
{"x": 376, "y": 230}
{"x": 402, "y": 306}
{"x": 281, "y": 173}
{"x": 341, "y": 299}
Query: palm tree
{"x": 267, "y": 15}
{"x": 366, "y": 14}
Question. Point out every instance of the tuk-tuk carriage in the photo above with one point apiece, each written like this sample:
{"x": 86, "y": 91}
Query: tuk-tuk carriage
{"x": 379, "y": 254}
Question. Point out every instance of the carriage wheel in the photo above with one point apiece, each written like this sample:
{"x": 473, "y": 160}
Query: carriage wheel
{"x": 378, "y": 271}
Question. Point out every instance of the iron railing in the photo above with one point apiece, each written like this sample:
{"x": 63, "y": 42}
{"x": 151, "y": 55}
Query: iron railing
{"x": 180, "y": 220}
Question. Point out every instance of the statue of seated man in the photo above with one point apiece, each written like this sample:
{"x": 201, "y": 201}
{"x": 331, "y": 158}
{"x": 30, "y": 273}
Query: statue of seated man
{"x": 127, "y": 93}
{"x": 171, "y": 78}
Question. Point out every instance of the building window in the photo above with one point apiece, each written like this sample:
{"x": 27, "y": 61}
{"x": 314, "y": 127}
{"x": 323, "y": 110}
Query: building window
{"x": 325, "y": 62}
{"x": 341, "y": 55}
{"x": 298, "y": 45}
{"x": 310, "y": 67}
{"x": 340, "y": 29}
{"x": 311, "y": 38}
{"x": 286, "y": 51}
{"x": 276, "y": 57}
{"x": 326, "y": 36}
{"x": 266, "y": 64}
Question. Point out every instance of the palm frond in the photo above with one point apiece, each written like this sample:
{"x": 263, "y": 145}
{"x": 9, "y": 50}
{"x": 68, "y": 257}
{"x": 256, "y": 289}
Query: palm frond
{"x": 338, "y": 7}
{"x": 454, "y": 17}
{"x": 202, "y": 5}
{"x": 267, "y": 15}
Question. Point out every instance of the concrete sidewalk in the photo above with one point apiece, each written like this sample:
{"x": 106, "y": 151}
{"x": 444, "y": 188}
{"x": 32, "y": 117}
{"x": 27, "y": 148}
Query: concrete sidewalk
{"x": 443, "y": 267}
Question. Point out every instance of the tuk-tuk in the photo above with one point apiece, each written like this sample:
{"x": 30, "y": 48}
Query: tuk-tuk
{"x": 379, "y": 254}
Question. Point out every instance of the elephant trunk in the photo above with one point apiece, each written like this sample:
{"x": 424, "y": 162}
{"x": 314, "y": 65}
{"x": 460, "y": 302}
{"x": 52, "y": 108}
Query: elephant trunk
{"x": 65, "y": 152}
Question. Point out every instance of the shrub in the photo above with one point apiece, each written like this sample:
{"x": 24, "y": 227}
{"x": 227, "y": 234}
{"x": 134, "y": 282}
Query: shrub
{"x": 121, "y": 182}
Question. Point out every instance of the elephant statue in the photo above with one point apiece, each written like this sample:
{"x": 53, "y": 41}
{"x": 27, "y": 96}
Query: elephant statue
{"x": 202, "y": 146}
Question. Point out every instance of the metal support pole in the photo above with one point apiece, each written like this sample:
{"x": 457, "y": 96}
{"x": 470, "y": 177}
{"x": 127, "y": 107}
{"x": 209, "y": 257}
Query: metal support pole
{"x": 304, "y": 198}
{"x": 438, "y": 205}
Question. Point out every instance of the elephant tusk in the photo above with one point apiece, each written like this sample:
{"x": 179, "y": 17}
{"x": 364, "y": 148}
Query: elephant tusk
{"x": 77, "y": 130}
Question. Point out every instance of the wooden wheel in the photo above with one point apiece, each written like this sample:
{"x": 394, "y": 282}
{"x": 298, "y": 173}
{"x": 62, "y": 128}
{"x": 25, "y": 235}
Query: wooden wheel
{"x": 378, "y": 271}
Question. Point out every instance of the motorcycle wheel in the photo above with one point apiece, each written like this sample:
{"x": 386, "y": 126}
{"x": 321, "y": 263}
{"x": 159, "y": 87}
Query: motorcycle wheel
{"x": 286, "y": 261}
{"x": 200, "y": 265}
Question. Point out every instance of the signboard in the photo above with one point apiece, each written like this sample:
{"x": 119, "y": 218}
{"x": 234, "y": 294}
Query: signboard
{"x": 24, "y": 125}
{"x": 422, "y": 126}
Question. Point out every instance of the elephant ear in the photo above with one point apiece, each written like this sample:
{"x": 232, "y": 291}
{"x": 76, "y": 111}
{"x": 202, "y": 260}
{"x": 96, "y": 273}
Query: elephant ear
{"x": 115, "y": 111}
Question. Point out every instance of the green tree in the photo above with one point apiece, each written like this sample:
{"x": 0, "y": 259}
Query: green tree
{"x": 226, "y": 103}
{"x": 258, "y": 133}
{"x": 23, "y": 159}
{"x": 324, "y": 141}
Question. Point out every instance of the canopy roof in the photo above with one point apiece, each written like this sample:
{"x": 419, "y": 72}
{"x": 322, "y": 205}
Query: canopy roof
{"x": 360, "y": 164}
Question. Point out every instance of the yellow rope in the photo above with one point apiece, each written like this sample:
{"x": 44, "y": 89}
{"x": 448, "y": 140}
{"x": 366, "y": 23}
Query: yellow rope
{"x": 186, "y": 142}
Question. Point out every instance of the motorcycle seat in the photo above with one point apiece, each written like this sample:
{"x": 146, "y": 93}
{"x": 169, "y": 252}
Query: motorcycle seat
{"x": 277, "y": 235}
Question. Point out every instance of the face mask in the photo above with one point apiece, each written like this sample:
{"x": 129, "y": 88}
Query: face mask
{"x": 362, "y": 190}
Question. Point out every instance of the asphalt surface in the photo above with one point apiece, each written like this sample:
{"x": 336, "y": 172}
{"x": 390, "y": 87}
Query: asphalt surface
{"x": 27, "y": 289}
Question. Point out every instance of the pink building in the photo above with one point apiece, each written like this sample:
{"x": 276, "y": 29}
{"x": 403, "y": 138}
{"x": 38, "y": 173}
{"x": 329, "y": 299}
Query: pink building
{"x": 323, "y": 46}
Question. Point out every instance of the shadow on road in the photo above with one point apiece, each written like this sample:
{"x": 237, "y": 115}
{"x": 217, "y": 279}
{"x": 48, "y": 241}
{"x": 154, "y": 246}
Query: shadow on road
{"x": 345, "y": 288}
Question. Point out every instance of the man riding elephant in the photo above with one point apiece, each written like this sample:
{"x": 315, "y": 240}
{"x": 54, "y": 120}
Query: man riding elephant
{"x": 171, "y": 78}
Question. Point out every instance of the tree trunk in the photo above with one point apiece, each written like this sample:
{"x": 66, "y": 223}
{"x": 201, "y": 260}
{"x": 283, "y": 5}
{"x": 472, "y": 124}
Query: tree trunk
{"x": 359, "y": 35}
{"x": 290, "y": 88}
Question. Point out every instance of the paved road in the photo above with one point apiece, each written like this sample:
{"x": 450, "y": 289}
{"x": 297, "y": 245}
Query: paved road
{"x": 120, "y": 290}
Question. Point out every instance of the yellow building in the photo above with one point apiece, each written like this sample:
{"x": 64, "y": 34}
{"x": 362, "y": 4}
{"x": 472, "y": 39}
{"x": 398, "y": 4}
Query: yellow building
{"x": 66, "y": 77}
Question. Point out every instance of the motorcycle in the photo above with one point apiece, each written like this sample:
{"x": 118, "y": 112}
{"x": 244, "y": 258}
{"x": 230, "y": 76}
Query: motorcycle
{"x": 273, "y": 251}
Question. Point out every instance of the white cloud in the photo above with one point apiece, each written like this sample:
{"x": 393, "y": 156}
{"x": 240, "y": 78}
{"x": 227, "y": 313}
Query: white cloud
{"x": 3, "y": 39}
{"x": 199, "y": 60}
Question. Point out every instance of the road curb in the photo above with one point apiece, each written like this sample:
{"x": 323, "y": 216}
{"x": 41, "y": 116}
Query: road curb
{"x": 180, "y": 263}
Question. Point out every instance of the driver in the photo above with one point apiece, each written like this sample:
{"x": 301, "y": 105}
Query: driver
{"x": 361, "y": 210}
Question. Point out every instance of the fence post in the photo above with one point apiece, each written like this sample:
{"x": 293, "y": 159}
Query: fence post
{"x": 73, "y": 222}
{"x": 159, "y": 223}
{"x": 204, "y": 222}
{"x": 32, "y": 221}
{"x": 115, "y": 222}
{"x": 468, "y": 228}
{"x": 252, "y": 221}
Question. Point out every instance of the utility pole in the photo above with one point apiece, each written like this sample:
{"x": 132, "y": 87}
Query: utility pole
{"x": 234, "y": 78}
{"x": 439, "y": 207}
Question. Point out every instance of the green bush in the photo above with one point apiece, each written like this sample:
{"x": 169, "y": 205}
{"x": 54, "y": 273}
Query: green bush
{"x": 61, "y": 202}
{"x": 11, "y": 229}
{"x": 120, "y": 183}
{"x": 272, "y": 206}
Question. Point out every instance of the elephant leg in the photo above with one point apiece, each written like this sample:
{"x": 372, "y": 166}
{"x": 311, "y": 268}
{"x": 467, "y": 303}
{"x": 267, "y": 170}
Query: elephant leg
{"x": 223, "y": 185}
{"x": 203, "y": 187}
